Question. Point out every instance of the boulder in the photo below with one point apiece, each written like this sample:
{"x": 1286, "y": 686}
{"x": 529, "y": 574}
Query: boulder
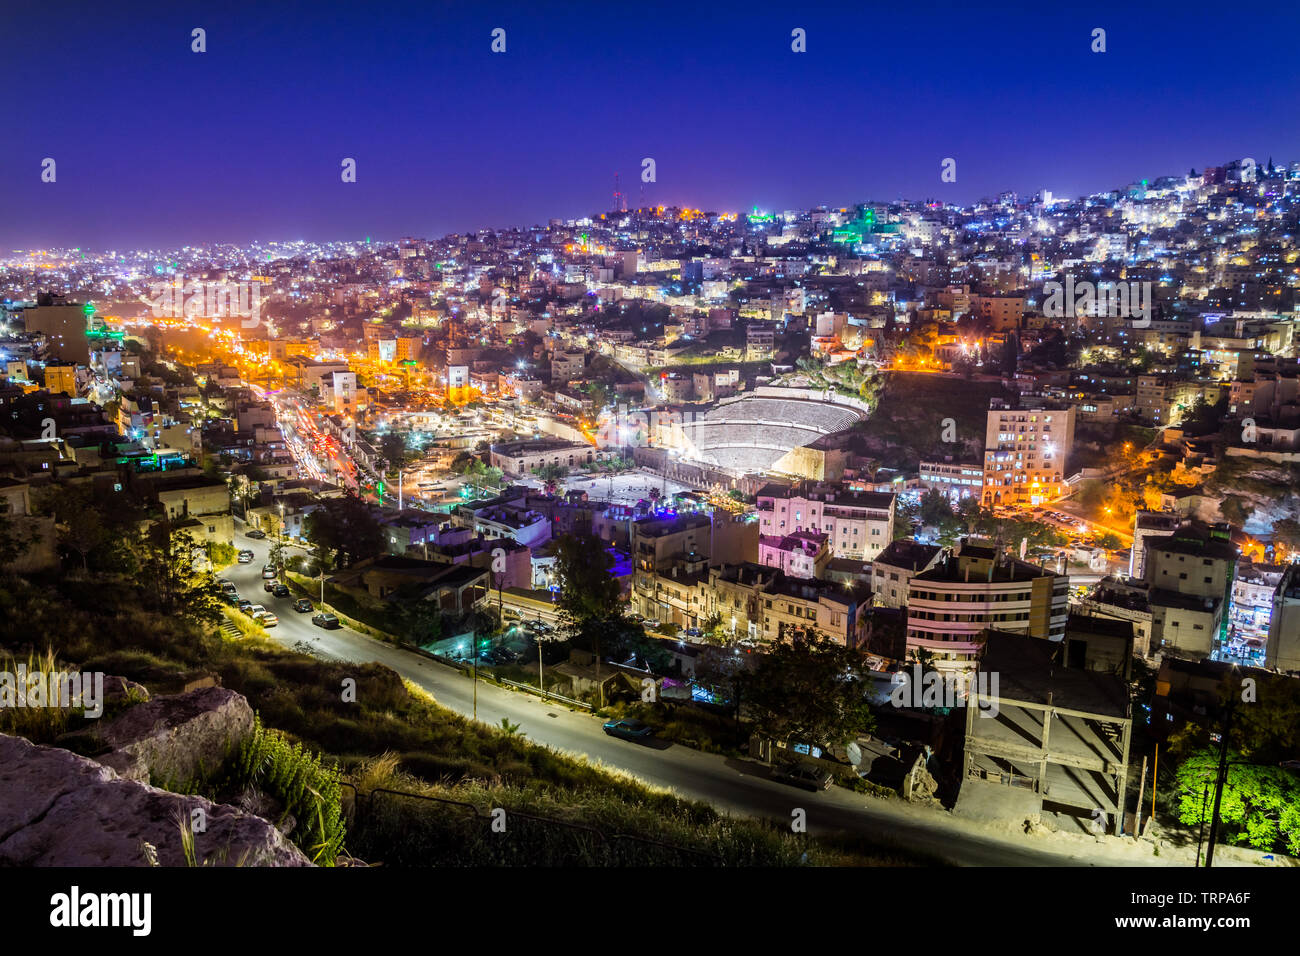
{"x": 61, "y": 809}
{"x": 175, "y": 740}
{"x": 120, "y": 692}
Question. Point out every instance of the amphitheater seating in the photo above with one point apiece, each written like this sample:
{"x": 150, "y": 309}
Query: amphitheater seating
{"x": 751, "y": 434}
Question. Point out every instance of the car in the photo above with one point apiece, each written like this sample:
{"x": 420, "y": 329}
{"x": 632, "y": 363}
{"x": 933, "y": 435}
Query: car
{"x": 280, "y": 590}
{"x": 803, "y": 775}
{"x": 228, "y": 587}
{"x": 245, "y": 605}
{"x": 268, "y": 572}
{"x": 628, "y": 729}
{"x": 245, "y": 557}
{"x": 262, "y": 616}
{"x": 231, "y": 598}
{"x": 257, "y": 534}
{"x": 327, "y": 621}
{"x": 649, "y": 622}
{"x": 694, "y": 632}
{"x": 302, "y": 605}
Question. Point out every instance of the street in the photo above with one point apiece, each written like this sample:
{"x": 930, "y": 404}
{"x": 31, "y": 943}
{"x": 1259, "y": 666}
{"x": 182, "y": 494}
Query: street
{"x": 729, "y": 784}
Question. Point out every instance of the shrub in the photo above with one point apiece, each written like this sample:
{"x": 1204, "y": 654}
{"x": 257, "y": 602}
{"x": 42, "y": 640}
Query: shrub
{"x": 305, "y": 787}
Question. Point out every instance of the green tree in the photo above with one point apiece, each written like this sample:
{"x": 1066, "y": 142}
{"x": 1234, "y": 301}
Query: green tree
{"x": 392, "y": 446}
{"x": 810, "y": 691}
{"x": 1260, "y": 805}
{"x": 345, "y": 530}
{"x": 167, "y": 557}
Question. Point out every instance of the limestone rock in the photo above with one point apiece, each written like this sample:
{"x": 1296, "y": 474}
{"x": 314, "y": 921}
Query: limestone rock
{"x": 174, "y": 740}
{"x": 60, "y": 809}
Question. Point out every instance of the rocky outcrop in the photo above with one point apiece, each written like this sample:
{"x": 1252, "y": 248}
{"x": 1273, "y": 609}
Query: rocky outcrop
{"x": 172, "y": 741}
{"x": 61, "y": 809}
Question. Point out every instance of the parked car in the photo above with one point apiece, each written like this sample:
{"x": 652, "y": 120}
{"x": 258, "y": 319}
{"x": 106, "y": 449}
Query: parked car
{"x": 268, "y": 571}
{"x": 262, "y": 616}
{"x": 327, "y": 621}
{"x": 302, "y": 605}
{"x": 628, "y": 729}
{"x": 245, "y": 605}
{"x": 649, "y": 622}
{"x": 803, "y": 775}
{"x": 280, "y": 590}
{"x": 257, "y": 534}
{"x": 245, "y": 557}
{"x": 694, "y": 632}
{"x": 231, "y": 598}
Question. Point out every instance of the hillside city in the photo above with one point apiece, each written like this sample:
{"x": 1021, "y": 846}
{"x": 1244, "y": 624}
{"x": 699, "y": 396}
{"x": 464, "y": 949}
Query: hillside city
{"x": 986, "y": 515}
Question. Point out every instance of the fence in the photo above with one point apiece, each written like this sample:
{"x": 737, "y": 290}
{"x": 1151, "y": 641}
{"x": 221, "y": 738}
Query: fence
{"x": 466, "y": 836}
{"x": 549, "y": 695}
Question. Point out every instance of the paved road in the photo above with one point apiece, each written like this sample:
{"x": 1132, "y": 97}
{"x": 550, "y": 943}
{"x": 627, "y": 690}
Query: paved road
{"x": 730, "y": 784}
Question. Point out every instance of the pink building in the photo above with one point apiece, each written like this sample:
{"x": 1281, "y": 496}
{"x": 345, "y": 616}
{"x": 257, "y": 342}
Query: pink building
{"x": 802, "y": 554}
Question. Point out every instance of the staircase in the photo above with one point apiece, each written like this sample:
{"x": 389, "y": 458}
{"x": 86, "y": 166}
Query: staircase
{"x": 229, "y": 631}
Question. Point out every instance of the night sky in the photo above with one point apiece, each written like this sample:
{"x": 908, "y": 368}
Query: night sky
{"x": 157, "y": 145}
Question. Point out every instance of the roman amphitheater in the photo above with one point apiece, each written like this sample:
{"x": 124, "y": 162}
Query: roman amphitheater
{"x": 781, "y": 431}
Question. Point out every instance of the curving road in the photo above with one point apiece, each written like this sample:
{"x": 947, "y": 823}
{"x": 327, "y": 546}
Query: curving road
{"x": 730, "y": 784}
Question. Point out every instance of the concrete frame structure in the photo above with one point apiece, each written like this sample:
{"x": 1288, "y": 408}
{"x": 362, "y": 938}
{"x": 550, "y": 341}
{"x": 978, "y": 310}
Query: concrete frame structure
{"x": 1061, "y": 733}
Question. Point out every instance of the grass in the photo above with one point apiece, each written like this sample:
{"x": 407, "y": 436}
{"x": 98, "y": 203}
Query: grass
{"x": 41, "y": 723}
{"x": 313, "y": 739}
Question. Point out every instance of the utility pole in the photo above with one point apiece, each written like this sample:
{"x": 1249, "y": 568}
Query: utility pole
{"x": 1220, "y": 780}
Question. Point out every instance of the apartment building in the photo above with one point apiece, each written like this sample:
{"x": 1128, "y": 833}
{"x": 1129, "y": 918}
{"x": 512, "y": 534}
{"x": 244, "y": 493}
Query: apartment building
{"x": 893, "y": 569}
{"x": 1147, "y": 524}
{"x": 1025, "y": 454}
{"x": 763, "y": 604}
{"x": 803, "y": 554}
{"x": 974, "y": 587}
{"x": 859, "y": 524}
{"x": 1164, "y": 401}
{"x": 956, "y": 480}
{"x": 719, "y": 537}
{"x": 1189, "y": 576}
{"x": 1283, "y": 650}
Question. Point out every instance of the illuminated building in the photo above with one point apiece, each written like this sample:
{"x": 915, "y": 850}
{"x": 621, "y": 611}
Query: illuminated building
{"x": 1025, "y": 452}
{"x": 976, "y": 587}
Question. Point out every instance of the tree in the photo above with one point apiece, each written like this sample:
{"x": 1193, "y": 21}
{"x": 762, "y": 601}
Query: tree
{"x": 345, "y": 530}
{"x": 1236, "y": 509}
{"x": 167, "y": 562}
{"x": 1260, "y": 805}
{"x": 393, "y": 447}
{"x": 935, "y": 508}
{"x": 810, "y": 691}
{"x": 588, "y": 590}
{"x": 727, "y": 674}
{"x": 79, "y": 522}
